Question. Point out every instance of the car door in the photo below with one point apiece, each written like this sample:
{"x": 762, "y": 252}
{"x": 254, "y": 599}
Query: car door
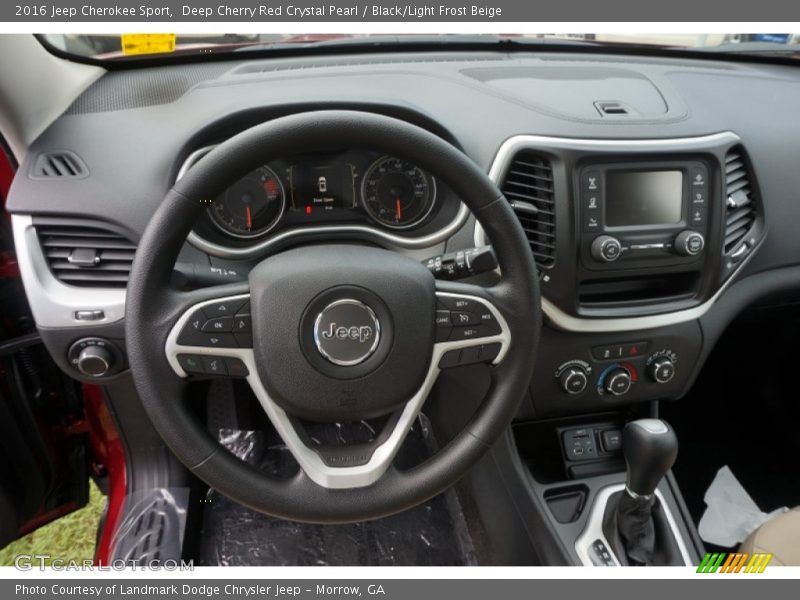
{"x": 44, "y": 465}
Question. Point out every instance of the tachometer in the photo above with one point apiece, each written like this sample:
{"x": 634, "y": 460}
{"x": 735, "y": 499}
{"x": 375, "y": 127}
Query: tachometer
{"x": 397, "y": 193}
{"x": 251, "y": 206}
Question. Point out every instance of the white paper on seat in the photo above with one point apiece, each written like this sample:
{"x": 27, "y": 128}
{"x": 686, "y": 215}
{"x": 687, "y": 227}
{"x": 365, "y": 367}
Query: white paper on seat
{"x": 731, "y": 514}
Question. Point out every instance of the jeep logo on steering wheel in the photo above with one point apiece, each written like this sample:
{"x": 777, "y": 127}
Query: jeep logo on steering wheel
{"x": 347, "y": 332}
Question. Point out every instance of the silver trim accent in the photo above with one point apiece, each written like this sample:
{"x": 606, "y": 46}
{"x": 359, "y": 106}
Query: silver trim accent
{"x": 369, "y": 352}
{"x": 594, "y": 527}
{"x": 555, "y": 315}
{"x": 52, "y": 302}
{"x": 366, "y": 231}
{"x": 309, "y": 460}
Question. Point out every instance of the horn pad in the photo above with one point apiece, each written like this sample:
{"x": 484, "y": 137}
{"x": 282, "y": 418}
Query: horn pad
{"x": 342, "y": 333}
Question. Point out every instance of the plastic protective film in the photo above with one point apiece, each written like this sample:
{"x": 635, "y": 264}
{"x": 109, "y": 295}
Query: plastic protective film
{"x": 433, "y": 533}
{"x": 152, "y": 529}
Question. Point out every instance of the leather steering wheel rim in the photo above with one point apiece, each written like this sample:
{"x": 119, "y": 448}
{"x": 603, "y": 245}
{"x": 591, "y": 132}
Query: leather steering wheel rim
{"x": 153, "y": 307}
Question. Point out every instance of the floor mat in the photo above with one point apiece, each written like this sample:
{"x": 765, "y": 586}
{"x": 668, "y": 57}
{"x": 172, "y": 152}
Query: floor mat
{"x": 434, "y": 533}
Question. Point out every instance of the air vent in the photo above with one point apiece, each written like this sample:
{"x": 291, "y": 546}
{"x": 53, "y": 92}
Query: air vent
{"x": 528, "y": 186}
{"x": 58, "y": 165}
{"x": 739, "y": 200}
{"x": 86, "y": 253}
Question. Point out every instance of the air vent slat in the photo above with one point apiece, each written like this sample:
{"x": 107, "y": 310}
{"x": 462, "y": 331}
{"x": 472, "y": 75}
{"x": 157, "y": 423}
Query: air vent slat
{"x": 87, "y": 254}
{"x": 57, "y": 165}
{"x": 740, "y": 205}
{"x": 529, "y": 183}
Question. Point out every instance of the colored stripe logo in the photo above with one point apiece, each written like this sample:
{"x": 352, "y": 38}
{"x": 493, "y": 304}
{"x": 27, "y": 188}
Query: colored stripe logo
{"x": 734, "y": 562}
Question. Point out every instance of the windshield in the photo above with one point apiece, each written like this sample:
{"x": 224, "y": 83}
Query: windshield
{"x": 112, "y": 47}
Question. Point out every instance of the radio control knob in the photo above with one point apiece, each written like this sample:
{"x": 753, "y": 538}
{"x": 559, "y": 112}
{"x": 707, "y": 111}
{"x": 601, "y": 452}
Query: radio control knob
{"x": 661, "y": 370}
{"x": 573, "y": 380}
{"x": 94, "y": 361}
{"x": 618, "y": 381}
{"x": 606, "y": 248}
{"x": 689, "y": 243}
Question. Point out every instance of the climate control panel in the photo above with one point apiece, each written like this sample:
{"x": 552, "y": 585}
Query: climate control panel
{"x": 593, "y": 371}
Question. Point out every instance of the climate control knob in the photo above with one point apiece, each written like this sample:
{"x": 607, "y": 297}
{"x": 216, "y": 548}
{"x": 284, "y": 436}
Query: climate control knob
{"x": 689, "y": 243}
{"x": 618, "y": 381}
{"x": 661, "y": 370}
{"x": 606, "y": 248}
{"x": 573, "y": 380}
{"x": 94, "y": 361}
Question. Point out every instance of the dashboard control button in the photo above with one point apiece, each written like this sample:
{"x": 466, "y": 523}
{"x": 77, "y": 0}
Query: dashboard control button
{"x": 489, "y": 352}
{"x": 242, "y": 324}
{"x": 443, "y": 318}
{"x": 94, "y": 360}
{"x": 606, "y": 248}
{"x": 699, "y": 177}
{"x": 661, "y": 370}
{"x": 591, "y": 221}
{"x": 618, "y": 381}
{"x": 235, "y": 367}
{"x": 458, "y": 304}
{"x": 224, "y": 308}
{"x": 191, "y": 363}
{"x": 89, "y": 315}
{"x": 214, "y": 365}
{"x": 689, "y": 243}
{"x": 611, "y": 440}
{"x": 463, "y": 319}
{"x": 469, "y": 333}
{"x": 611, "y": 352}
{"x": 218, "y": 325}
{"x": 189, "y": 335}
{"x": 217, "y": 340}
{"x": 451, "y": 358}
{"x": 697, "y": 215}
{"x": 574, "y": 380}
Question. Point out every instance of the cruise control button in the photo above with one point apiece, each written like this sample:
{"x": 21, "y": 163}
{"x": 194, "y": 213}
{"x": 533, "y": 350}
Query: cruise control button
{"x": 462, "y": 319}
{"x": 218, "y": 325}
{"x": 191, "y": 363}
{"x": 487, "y": 320}
{"x": 214, "y": 365}
{"x": 443, "y": 318}
{"x": 236, "y": 368}
{"x": 458, "y": 304}
{"x": 242, "y": 324}
{"x": 469, "y": 333}
{"x": 224, "y": 308}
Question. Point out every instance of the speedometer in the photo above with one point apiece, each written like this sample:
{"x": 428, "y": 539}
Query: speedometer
{"x": 251, "y": 206}
{"x": 397, "y": 193}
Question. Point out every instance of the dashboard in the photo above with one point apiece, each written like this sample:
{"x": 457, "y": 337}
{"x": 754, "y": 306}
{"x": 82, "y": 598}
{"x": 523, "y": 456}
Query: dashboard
{"x": 652, "y": 225}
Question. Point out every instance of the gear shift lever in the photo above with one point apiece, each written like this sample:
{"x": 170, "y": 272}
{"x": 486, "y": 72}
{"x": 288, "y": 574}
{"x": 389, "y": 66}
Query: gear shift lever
{"x": 650, "y": 447}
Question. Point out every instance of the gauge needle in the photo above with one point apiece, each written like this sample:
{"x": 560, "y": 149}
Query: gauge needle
{"x": 398, "y": 210}
{"x": 249, "y": 217}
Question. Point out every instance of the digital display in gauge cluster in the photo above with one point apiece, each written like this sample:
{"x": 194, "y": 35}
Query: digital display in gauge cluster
{"x": 349, "y": 186}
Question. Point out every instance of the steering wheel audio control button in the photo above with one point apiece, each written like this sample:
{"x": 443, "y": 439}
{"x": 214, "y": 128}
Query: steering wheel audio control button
{"x": 217, "y": 340}
{"x": 214, "y": 365}
{"x": 242, "y": 324}
{"x": 236, "y": 368}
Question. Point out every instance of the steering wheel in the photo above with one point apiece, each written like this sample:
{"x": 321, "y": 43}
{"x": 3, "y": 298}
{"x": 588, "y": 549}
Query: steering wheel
{"x": 331, "y": 333}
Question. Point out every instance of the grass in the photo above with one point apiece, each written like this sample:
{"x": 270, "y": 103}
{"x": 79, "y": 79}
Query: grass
{"x": 68, "y": 538}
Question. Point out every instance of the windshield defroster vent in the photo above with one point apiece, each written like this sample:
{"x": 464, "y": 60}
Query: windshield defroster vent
{"x": 58, "y": 165}
{"x": 86, "y": 253}
{"x": 740, "y": 202}
{"x": 528, "y": 186}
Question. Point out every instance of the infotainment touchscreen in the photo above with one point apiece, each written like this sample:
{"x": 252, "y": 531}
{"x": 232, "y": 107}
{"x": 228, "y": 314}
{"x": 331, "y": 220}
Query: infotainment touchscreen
{"x": 635, "y": 198}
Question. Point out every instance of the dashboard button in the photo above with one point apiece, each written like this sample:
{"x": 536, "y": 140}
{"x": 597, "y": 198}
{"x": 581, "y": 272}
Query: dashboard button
{"x": 190, "y": 333}
{"x": 217, "y": 340}
{"x": 191, "y": 363}
{"x": 224, "y": 308}
{"x": 242, "y": 324}
{"x": 463, "y": 319}
{"x": 591, "y": 221}
{"x": 697, "y": 215}
{"x": 458, "y": 303}
{"x": 443, "y": 318}
{"x": 611, "y": 352}
{"x": 235, "y": 367}
{"x": 469, "y": 333}
{"x": 214, "y": 365}
{"x": 699, "y": 177}
{"x": 218, "y": 325}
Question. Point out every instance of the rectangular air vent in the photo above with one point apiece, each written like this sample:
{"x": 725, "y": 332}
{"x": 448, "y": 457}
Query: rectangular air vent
{"x": 58, "y": 165}
{"x": 86, "y": 253}
{"x": 739, "y": 200}
{"x": 528, "y": 186}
